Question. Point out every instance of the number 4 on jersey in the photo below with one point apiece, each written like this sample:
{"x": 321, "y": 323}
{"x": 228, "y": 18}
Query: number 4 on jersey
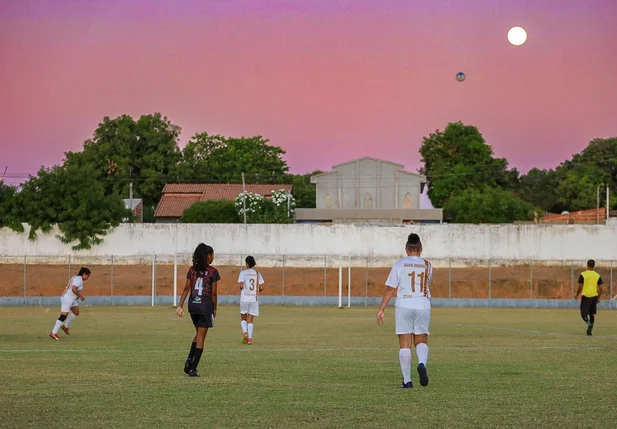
{"x": 199, "y": 286}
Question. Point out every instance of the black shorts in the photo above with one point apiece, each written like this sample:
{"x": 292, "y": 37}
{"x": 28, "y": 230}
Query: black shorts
{"x": 203, "y": 320}
{"x": 589, "y": 305}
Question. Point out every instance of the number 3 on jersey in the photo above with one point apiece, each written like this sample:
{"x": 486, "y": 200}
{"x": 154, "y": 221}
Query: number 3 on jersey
{"x": 252, "y": 284}
{"x": 199, "y": 286}
{"x": 420, "y": 276}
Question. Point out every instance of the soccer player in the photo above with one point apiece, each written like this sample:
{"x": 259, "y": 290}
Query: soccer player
{"x": 410, "y": 280}
{"x": 69, "y": 305}
{"x": 590, "y": 288}
{"x": 250, "y": 285}
{"x": 200, "y": 287}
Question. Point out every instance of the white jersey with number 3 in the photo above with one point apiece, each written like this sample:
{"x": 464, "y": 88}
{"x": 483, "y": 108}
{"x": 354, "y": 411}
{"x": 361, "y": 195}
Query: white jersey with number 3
{"x": 412, "y": 276}
{"x": 251, "y": 280}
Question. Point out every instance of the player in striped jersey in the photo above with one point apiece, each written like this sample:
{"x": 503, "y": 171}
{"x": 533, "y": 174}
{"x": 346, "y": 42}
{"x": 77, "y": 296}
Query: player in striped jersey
{"x": 69, "y": 305}
{"x": 251, "y": 283}
{"x": 410, "y": 280}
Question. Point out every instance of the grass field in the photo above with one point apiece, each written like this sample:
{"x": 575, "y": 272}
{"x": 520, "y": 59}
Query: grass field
{"x": 308, "y": 367}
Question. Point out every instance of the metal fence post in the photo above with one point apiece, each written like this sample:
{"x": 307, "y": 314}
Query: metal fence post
{"x": 489, "y": 279}
{"x": 111, "y": 286}
{"x": 366, "y": 284}
{"x": 611, "y": 281}
{"x": 449, "y": 278}
{"x": 283, "y": 289}
{"x": 153, "y": 277}
{"x": 531, "y": 279}
{"x": 349, "y": 284}
{"x": 571, "y": 279}
{"x": 69, "y": 267}
{"x": 325, "y": 275}
{"x": 25, "y": 275}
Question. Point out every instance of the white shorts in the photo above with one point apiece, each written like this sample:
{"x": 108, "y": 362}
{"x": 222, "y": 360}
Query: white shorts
{"x": 251, "y": 308}
{"x": 67, "y": 304}
{"x": 408, "y": 321}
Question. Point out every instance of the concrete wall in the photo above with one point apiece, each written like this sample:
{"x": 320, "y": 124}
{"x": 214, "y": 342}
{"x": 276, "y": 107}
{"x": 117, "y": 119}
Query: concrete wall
{"x": 472, "y": 243}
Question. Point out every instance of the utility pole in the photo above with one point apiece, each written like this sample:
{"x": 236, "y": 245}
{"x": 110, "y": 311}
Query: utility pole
{"x": 598, "y": 205}
{"x": 608, "y": 206}
{"x": 244, "y": 197}
{"x": 131, "y": 197}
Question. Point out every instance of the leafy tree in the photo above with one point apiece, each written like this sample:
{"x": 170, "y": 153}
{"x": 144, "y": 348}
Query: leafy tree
{"x": 10, "y": 215}
{"x": 459, "y": 159}
{"x": 215, "y": 211}
{"x": 123, "y": 150}
{"x": 579, "y": 178}
{"x": 303, "y": 190}
{"x": 217, "y": 159}
{"x": 539, "y": 187}
{"x": 488, "y": 205}
{"x": 73, "y": 199}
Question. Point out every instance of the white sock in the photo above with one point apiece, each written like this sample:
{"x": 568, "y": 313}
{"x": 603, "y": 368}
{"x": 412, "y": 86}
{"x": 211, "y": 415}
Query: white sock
{"x": 404, "y": 356}
{"x": 56, "y": 327}
{"x": 243, "y": 324}
{"x": 69, "y": 319}
{"x": 250, "y": 330}
{"x": 422, "y": 352}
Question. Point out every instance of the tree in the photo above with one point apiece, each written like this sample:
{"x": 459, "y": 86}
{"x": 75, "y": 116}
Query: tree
{"x": 579, "y": 178}
{"x": 303, "y": 190}
{"x": 488, "y": 205}
{"x": 459, "y": 159}
{"x": 73, "y": 199}
{"x": 10, "y": 215}
{"x": 539, "y": 187}
{"x": 218, "y": 159}
{"x": 215, "y": 211}
{"x": 123, "y": 151}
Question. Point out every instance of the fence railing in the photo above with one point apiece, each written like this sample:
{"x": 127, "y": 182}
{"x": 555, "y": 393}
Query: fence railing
{"x": 296, "y": 275}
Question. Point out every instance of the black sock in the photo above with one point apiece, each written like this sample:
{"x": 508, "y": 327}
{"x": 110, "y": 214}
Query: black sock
{"x": 592, "y": 319}
{"x": 196, "y": 359}
{"x": 584, "y": 316}
{"x": 192, "y": 352}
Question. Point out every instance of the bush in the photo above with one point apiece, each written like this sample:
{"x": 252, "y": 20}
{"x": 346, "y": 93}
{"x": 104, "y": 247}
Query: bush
{"x": 215, "y": 211}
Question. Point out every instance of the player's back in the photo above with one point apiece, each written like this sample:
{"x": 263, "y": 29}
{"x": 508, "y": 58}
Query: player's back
{"x": 251, "y": 280}
{"x": 413, "y": 276}
{"x": 68, "y": 290}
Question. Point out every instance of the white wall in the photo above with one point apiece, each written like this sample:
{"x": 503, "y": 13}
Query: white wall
{"x": 382, "y": 243}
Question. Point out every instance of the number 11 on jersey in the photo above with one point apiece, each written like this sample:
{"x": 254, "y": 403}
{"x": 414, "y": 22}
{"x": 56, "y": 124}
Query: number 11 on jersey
{"x": 421, "y": 276}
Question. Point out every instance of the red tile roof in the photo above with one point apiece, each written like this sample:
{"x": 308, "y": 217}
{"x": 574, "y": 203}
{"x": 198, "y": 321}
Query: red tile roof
{"x": 582, "y": 216}
{"x": 179, "y": 197}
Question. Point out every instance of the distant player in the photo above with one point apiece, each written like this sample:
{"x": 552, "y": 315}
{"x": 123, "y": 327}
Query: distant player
{"x": 590, "y": 288}
{"x": 410, "y": 280}
{"x": 69, "y": 304}
{"x": 200, "y": 287}
{"x": 250, "y": 285}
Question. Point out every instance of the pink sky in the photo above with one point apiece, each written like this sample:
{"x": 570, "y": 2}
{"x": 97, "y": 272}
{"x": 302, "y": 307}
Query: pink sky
{"x": 328, "y": 82}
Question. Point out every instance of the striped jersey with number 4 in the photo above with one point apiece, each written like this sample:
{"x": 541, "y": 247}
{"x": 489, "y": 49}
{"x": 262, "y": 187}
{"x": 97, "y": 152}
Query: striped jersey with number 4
{"x": 251, "y": 280}
{"x": 411, "y": 276}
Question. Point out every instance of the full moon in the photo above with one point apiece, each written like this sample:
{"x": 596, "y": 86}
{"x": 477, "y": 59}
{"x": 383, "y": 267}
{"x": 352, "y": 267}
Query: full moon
{"x": 517, "y": 36}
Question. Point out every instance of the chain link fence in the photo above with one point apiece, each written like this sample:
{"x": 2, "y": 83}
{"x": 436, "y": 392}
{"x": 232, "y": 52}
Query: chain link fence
{"x": 296, "y": 275}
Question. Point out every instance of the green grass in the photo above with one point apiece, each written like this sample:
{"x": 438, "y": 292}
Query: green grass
{"x": 308, "y": 367}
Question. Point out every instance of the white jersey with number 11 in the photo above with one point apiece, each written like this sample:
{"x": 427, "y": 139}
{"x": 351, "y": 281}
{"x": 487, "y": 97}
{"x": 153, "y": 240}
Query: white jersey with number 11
{"x": 412, "y": 276}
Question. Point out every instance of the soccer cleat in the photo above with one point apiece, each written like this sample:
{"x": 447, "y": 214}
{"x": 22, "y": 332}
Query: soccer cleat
{"x": 65, "y": 329}
{"x": 423, "y": 375}
{"x": 589, "y": 331}
{"x": 193, "y": 374}
{"x": 245, "y": 338}
{"x": 249, "y": 341}
{"x": 54, "y": 336}
{"x": 407, "y": 385}
{"x": 187, "y": 366}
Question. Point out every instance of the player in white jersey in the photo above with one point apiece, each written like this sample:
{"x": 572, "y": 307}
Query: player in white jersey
{"x": 410, "y": 280}
{"x": 68, "y": 302}
{"x": 251, "y": 283}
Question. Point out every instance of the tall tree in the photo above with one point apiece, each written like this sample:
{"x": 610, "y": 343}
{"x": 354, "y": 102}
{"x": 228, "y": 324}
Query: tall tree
{"x": 10, "y": 213}
{"x": 123, "y": 150}
{"x": 579, "y": 178}
{"x": 217, "y": 159}
{"x": 488, "y": 205}
{"x": 303, "y": 190}
{"x": 539, "y": 187}
{"x": 458, "y": 159}
{"x": 73, "y": 199}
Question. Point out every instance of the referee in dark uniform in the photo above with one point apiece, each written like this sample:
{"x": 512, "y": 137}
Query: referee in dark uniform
{"x": 590, "y": 289}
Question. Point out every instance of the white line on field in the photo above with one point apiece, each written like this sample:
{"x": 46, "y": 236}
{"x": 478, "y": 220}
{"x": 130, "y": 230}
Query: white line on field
{"x": 340, "y": 349}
